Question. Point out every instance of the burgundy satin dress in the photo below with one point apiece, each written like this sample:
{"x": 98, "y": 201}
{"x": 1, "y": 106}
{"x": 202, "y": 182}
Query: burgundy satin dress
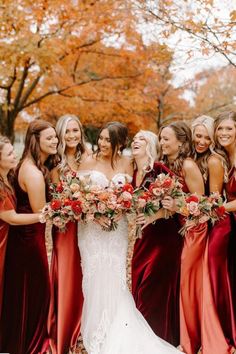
{"x": 7, "y": 202}
{"x": 66, "y": 290}
{"x": 155, "y": 271}
{"x": 27, "y": 291}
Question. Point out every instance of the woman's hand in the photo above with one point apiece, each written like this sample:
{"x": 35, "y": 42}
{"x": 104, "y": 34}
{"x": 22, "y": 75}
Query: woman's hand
{"x": 169, "y": 203}
{"x": 117, "y": 217}
{"x": 146, "y": 220}
{"x": 103, "y": 221}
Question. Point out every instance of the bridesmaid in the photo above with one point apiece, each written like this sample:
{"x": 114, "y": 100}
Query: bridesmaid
{"x": 176, "y": 152}
{"x": 225, "y": 137}
{"x": 27, "y": 290}
{"x": 156, "y": 256}
{"x": 66, "y": 275}
{"x": 212, "y": 168}
{"x": 8, "y": 216}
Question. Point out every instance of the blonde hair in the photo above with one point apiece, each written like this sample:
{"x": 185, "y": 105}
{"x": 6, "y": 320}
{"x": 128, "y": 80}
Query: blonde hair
{"x": 202, "y": 159}
{"x": 218, "y": 148}
{"x": 152, "y": 147}
{"x": 61, "y": 127}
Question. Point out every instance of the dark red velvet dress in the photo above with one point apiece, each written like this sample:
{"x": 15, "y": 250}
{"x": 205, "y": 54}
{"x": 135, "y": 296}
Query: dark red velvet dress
{"x": 27, "y": 290}
{"x": 155, "y": 271}
{"x": 66, "y": 290}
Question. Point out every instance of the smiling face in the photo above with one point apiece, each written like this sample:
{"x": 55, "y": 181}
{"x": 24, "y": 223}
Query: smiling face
{"x": 7, "y": 158}
{"x": 201, "y": 139}
{"x": 226, "y": 133}
{"x": 48, "y": 141}
{"x": 139, "y": 145}
{"x": 169, "y": 143}
{"x": 72, "y": 135}
{"x": 104, "y": 143}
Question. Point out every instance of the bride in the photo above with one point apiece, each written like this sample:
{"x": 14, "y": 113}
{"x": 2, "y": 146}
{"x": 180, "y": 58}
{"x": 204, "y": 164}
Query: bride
{"x": 110, "y": 323}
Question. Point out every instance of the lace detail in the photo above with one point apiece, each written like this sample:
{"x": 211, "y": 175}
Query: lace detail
{"x": 99, "y": 336}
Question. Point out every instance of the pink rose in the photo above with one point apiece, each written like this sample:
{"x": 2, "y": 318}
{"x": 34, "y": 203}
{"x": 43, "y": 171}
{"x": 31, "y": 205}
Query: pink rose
{"x": 193, "y": 208}
{"x": 101, "y": 207}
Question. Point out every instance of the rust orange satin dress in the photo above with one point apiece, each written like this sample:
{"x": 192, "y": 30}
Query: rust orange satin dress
{"x": 199, "y": 322}
{"x": 7, "y": 202}
{"x": 155, "y": 271}
{"x": 66, "y": 290}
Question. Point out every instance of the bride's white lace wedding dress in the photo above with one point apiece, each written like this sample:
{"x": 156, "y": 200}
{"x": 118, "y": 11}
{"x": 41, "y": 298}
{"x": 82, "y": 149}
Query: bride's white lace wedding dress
{"x": 111, "y": 324}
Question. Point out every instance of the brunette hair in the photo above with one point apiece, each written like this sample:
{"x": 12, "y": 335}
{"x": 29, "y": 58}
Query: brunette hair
{"x": 61, "y": 127}
{"x": 218, "y": 148}
{"x": 183, "y": 135}
{"x": 3, "y": 187}
{"x": 32, "y": 146}
{"x": 118, "y": 134}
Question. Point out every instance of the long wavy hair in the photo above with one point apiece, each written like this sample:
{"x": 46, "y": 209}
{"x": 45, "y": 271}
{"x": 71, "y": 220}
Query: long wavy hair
{"x": 184, "y": 136}
{"x": 10, "y": 176}
{"x": 220, "y": 150}
{"x": 61, "y": 127}
{"x": 152, "y": 148}
{"x": 202, "y": 159}
{"x": 118, "y": 133}
{"x": 32, "y": 147}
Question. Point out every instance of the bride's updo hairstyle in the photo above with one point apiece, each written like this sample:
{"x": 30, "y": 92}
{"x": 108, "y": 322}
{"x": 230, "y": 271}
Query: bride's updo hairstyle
{"x": 118, "y": 134}
{"x": 184, "y": 136}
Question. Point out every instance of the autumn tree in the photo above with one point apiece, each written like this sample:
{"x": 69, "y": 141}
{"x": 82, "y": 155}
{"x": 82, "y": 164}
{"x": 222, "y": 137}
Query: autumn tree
{"x": 211, "y": 25}
{"x": 213, "y": 91}
{"x": 35, "y": 41}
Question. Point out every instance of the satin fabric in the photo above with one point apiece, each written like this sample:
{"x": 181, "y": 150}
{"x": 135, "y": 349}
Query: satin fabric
{"x": 230, "y": 188}
{"x": 218, "y": 244}
{"x": 155, "y": 271}
{"x": 7, "y": 202}
{"x": 26, "y": 293}
{"x": 191, "y": 288}
{"x": 66, "y": 290}
{"x": 200, "y": 327}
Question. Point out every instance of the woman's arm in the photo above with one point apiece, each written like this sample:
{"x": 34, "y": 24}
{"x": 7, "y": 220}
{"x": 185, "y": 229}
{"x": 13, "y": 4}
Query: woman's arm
{"x": 145, "y": 220}
{"x": 216, "y": 174}
{"x": 54, "y": 174}
{"x": 12, "y": 218}
{"x": 230, "y": 206}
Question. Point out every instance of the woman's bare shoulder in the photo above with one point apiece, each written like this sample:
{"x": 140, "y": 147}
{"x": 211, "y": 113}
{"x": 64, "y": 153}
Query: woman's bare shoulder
{"x": 87, "y": 162}
{"x": 29, "y": 172}
{"x": 127, "y": 163}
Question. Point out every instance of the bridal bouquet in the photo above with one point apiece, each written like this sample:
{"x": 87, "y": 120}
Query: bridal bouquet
{"x": 165, "y": 185}
{"x": 148, "y": 201}
{"x": 200, "y": 209}
{"x": 77, "y": 198}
